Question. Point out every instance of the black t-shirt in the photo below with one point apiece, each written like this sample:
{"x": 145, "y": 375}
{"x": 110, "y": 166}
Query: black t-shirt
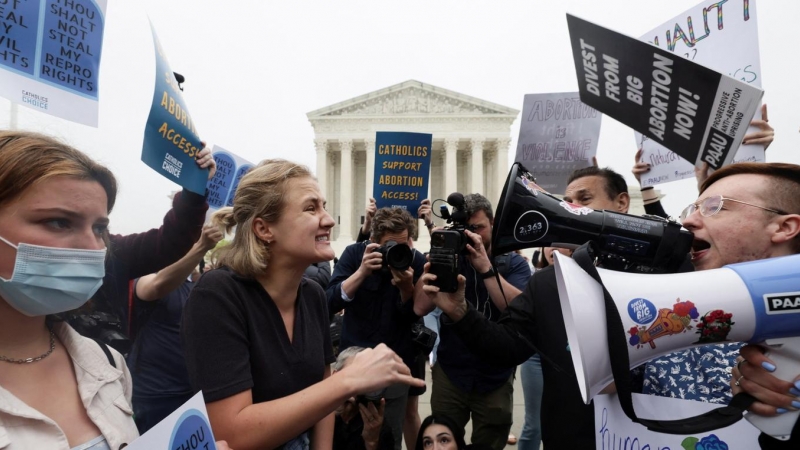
{"x": 534, "y": 322}
{"x": 235, "y": 339}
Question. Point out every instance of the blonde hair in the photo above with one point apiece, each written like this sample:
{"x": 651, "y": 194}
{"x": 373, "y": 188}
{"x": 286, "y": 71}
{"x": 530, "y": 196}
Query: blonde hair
{"x": 28, "y": 158}
{"x": 261, "y": 195}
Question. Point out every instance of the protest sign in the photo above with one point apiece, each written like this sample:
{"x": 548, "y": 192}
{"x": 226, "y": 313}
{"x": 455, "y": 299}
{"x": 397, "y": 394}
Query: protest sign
{"x": 690, "y": 109}
{"x": 402, "y": 169}
{"x": 614, "y": 430}
{"x": 171, "y": 143}
{"x": 50, "y": 52}
{"x": 558, "y": 135}
{"x": 187, "y": 427}
{"x": 230, "y": 170}
{"x": 728, "y": 43}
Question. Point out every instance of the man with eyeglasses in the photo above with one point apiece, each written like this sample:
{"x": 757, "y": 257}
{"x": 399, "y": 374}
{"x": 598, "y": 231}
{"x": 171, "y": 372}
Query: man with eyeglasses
{"x": 745, "y": 212}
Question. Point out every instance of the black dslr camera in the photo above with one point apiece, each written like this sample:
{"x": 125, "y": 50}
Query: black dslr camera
{"x": 395, "y": 256}
{"x": 101, "y": 326}
{"x": 449, "y": 244}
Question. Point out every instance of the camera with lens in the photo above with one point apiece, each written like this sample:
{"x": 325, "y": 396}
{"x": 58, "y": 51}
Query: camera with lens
{"x": 371, "y": 397}
{"x": 395, "y": 256}
{"x": 101, "y": 326}
{"x": 423, "y": 338}
{"x": 448, "y": 244}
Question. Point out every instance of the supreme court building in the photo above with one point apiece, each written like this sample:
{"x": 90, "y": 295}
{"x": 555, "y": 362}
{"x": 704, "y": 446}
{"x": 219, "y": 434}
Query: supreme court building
{"x": 471, "y": 140}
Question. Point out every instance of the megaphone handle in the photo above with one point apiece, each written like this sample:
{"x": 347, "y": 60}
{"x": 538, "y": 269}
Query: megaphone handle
{"x": 785, "y": 353}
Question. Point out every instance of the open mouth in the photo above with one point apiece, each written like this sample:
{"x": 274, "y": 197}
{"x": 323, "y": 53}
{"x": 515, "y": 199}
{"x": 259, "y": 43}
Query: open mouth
{"x": 323, "y": 238}
{"x": 699, "y": 248}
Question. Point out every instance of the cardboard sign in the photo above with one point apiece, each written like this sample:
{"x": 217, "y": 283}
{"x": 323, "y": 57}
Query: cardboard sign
{"x": 726, "y": 40}
{"x": 402, "y": 169}
{"x": 690, "y": 109}
{"x": 188, "y": 427}
{"x": 171, "y": 143}
{"x": 558, "y": 135}
{"x": 50, "y": 55}
{"x": 614, "y": 430}
{"x": 230, "y": 170}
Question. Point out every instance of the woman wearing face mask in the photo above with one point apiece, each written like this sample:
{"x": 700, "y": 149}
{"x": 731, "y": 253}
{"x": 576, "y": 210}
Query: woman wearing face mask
{"x": 256, "y": 333}
{"x": 57, "y": 389}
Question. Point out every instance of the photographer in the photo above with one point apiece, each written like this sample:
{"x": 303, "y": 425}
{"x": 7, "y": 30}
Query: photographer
{"x": 464, "y": 384}
{"x": 376, "y": 297}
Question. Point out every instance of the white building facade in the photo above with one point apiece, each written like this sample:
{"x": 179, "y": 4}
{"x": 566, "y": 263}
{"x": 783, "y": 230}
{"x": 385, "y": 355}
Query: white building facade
{"x": 470, "y": 151}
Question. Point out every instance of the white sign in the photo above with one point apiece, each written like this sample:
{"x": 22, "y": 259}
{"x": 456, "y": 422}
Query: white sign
{"x": 723, "y": 38}
{"x": 614, "y": 430}
{"x": 558, "y": 135}
{"x": 50, "y": 56}
{"x": 187, "y": 427}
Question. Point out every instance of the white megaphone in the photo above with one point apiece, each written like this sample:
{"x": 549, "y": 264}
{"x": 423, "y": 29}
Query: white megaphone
{"x": 755, "y": 302}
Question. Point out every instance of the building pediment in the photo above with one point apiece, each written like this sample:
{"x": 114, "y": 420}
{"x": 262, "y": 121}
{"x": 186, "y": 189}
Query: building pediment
{"x": 413, "y": 98}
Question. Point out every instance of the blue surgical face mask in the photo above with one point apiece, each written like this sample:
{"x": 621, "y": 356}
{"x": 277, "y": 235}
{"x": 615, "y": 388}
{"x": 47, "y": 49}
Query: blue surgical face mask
{"x": 49, "y": 280}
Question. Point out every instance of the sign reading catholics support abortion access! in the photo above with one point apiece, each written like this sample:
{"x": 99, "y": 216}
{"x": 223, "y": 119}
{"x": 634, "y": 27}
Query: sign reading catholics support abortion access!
{"x": 50, "y": 52}
{"x": 692, "y": 110}
{"x": 558, "y": 135}
{"x": 171, "y": 143}
{"x": 726, "y": 40}
{"x": 402, "y": 169}
{"x": 230, "y": 170}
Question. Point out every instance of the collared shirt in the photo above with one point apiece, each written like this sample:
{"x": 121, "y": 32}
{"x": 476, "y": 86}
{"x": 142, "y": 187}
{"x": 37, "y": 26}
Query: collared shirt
{"x": 104, "y": 390}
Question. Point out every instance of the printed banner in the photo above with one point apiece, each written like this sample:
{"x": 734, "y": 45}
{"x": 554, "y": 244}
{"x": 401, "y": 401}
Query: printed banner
{"x": 188, "y": 427}
{"x": 690, "y": 109}
{"x": 615, "y": 430}
{"x": 402, "y": 169}
{"x": 171, "y": 143}
{"x": 230, "y": 169}
{"x": 728, "y": 43}
{"x": 50, "y": 52}
{"x": 558, "y": 135}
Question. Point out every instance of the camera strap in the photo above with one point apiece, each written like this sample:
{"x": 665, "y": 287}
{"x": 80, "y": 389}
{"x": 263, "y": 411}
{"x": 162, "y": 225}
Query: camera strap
{"x": 620, "y": 369}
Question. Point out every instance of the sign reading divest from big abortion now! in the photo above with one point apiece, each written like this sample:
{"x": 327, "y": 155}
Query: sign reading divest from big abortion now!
{"x": 725, "y": 39}
{"x": 50, "y": 52}
{"x": 402, "y": 168}
{"x": 558, "y": 135}
{"x": 171, "y": 143}
{"x": 700, "y": 114}
{"x": 186, "y": 428}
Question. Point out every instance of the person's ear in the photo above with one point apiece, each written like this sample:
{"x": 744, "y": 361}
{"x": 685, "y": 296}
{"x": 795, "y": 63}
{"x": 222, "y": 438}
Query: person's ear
{"x": 623, "y": 202}
{"x": 788, "y": 228}
{"x": 262, "y": 230}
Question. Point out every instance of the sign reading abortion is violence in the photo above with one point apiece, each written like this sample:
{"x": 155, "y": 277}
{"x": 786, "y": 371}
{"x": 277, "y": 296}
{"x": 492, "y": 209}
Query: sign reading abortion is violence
{"x": 171, "y": 143}
{"x": 50, "y": 53}
{"x": 558, "y": 135}
{"x": 402, "y": 168}
{"x": 692, "y": 110}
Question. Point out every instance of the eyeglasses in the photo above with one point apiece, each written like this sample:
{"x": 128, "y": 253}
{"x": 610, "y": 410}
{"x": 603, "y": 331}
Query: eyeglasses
{"x": 712, "y": 205}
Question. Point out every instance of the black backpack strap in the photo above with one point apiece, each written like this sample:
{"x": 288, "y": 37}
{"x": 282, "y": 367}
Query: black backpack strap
{"x": 107, "y": 352}
{"x": 620, "y": 369}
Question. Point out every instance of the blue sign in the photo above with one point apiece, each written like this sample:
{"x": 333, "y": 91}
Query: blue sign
{"x": 171, "y": 142}
{"x": 642, "y": 311}
{"x": 230, "y": 170}
{"x": 192, "y": 431}
{"x": 402, "y": 169}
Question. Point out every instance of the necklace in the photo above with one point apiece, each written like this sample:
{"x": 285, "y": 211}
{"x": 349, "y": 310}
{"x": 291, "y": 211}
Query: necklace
{"x": 33, "y": 360}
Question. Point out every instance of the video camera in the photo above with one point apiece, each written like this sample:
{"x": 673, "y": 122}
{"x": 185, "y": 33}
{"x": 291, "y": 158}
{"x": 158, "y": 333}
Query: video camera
{"x": 448, "y": 244}
{"x": 529, "y": 217}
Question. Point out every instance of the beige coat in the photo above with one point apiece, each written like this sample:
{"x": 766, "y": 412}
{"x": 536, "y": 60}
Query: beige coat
{"x": 105, "y": 391}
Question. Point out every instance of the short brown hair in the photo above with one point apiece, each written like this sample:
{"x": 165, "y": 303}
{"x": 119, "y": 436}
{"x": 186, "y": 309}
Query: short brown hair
{"x": 260, "y": 194}
{"x": 392, "y": 220}
{"x": 784, "y": 187}
{"x": 28, "y": 158}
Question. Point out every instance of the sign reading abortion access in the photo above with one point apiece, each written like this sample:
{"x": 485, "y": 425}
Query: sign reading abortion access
{"x": 726, "y": 42}
{"x": 187, "y": 427}
{"x": 171, "y": 143}
{"x": 614, "y": 430}
{"x": 50, "y": 52}
{"x": 700, "y": 114}
{"x": 230, "y": 170}
{"x": 558, "y": 135}
{"x": 402, "y": 169}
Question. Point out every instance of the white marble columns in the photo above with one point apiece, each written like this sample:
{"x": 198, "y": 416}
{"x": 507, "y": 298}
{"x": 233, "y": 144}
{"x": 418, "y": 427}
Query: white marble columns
{"x": 369, "y": 147}
{"x": 476, "y": 163}
{"x": 322, "y": 161}
{"x": 346, "y": 191}
{"x": 501, "y": 164}
{"x": 450, "y": 166}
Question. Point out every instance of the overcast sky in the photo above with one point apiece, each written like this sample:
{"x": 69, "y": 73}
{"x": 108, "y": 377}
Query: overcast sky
{"x": 255, "y": 68}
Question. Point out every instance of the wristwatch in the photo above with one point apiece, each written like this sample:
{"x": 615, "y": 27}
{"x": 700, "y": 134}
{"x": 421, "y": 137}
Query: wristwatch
{"x": 488, "y": 274}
